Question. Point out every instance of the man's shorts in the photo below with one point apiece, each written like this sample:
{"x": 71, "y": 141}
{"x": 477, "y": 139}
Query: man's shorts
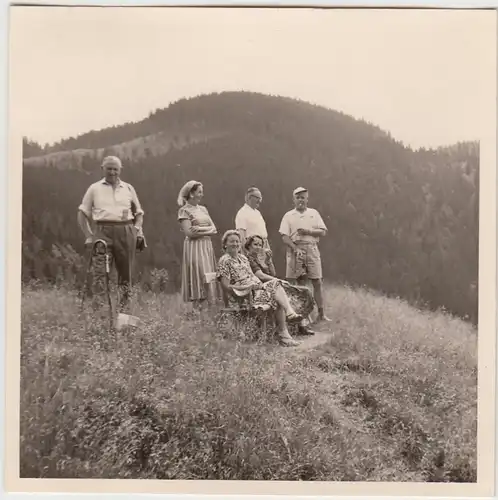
{"x": 309, "y": 266}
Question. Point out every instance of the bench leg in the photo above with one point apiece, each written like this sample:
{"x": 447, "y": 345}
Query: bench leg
{"x": 264, "y": 328}
{"x": 264, "y": 325}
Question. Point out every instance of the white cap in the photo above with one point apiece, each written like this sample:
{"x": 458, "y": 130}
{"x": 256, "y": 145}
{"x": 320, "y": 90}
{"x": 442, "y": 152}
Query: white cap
{"x": 299, "y": 190}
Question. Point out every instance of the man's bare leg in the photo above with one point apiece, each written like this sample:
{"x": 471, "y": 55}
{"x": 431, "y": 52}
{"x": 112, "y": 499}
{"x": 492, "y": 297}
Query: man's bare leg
{"x": 305, "y": 323}
{"x": 318, "y": 293}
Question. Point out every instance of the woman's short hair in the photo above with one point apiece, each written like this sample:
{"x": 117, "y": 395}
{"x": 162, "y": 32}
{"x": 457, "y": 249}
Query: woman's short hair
{"x": 227, "y": 234}
{"x": 249, "y": 240}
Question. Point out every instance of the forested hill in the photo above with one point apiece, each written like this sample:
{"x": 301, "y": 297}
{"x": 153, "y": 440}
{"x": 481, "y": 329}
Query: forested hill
{"x": 189, "y": 120}
{"x": 402, "y": 222}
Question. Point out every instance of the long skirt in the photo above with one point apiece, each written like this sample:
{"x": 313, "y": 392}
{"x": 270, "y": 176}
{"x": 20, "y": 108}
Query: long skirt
{"x": 300, "y": 298}
{"x": 198, "y": 259}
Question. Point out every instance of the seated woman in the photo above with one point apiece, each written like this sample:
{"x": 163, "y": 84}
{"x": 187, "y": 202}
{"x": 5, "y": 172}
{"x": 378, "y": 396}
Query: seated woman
{"x": 237, "y": 278}
{"x": 262, "y": 266}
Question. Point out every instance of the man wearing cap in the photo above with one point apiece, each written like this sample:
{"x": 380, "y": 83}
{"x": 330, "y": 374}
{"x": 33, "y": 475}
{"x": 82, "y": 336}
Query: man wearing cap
{"x": 112, "y": 207}
{"x": 301, "y": 229}
{"x": 249, "y": 221}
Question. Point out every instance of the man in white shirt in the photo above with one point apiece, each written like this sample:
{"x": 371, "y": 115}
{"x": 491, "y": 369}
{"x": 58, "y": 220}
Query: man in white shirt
{"x": 301, "y": 229}
{"x": 113, "y": 208}
{"x": 249, "y": 221}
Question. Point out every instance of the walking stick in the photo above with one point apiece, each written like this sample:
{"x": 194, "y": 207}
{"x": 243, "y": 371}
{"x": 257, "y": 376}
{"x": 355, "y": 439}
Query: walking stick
{"x": 87, "y": 278}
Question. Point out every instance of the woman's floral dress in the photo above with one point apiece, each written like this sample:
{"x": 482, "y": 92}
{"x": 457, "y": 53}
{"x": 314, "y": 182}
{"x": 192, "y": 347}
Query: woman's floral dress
{"x": 237, "y": 270}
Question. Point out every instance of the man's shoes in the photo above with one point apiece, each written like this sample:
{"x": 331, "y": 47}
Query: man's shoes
{"x": 322, "y": 317}
{"x": 293, "y": 317}
{"x": 305, "y": 330}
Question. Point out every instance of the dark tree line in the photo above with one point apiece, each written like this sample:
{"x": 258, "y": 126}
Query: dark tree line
{"x": 400, "y": 221}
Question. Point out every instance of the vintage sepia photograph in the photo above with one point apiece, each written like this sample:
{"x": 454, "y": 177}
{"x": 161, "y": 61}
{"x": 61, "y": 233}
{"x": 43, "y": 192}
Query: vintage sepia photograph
{"x": 250, "y": 245}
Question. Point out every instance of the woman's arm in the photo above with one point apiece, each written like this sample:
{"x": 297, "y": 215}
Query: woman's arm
{"x": 189, "y": 230}
{"x": 257, "y": 270}
{"x": 214, "y": 230}
{"x": 206, "y": 231}
{"x": 262, "y": 276}
{"x": 211, "y": 229}
{"x": 225, "y": 283}
{"x": 271, "y": 265}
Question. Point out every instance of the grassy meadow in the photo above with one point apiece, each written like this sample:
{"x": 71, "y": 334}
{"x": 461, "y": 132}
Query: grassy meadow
{"x": 390, "y": 396}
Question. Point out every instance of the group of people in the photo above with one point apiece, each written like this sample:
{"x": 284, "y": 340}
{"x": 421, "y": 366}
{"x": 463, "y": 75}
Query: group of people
{"x": 111, "y": 212}
{"x": 246, "y": 266}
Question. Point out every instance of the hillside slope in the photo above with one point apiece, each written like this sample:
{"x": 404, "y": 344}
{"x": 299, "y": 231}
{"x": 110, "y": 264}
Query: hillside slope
{"x": 392, "y": 396}
{"x": 400, "y": 221}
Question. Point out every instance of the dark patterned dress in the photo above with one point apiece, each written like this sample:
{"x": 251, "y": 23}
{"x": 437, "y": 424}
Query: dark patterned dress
{"x": 300, "y": 297}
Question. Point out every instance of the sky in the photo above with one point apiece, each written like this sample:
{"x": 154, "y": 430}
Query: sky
{"x": 424, "y": 76}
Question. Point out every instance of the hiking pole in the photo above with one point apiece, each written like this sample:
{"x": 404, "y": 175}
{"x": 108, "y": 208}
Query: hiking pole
{"x": 107, "y": 272}
{"x": 87, "y": 278}
{"x": 91, "y": 254}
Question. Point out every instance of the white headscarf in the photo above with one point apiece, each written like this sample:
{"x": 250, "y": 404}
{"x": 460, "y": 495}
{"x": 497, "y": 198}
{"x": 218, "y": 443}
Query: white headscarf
{"x": 184, "y": 192}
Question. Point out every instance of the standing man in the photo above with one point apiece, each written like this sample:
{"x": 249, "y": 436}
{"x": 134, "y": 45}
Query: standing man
{"x": 301, "y": 229}
{"x": 112, "y": 206}
{"x": 249, "y": 221}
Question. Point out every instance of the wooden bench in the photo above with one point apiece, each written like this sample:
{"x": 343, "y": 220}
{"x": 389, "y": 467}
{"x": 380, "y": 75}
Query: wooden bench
{"x": 245, "y": 314}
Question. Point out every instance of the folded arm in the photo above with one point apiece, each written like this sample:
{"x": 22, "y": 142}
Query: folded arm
{"x": 197, "y": 231}
{"x": 205, "y": 230}
{"x": 188, "y": 229}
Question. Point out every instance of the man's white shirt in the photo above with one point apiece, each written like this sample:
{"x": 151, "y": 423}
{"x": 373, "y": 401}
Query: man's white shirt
{"x": 251, "y": 220}
{"x": 103, "y": 203}
{"x": 294, "y": 220}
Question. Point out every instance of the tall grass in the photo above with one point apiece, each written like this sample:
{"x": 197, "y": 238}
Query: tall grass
{"x": 392, "y": 396}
